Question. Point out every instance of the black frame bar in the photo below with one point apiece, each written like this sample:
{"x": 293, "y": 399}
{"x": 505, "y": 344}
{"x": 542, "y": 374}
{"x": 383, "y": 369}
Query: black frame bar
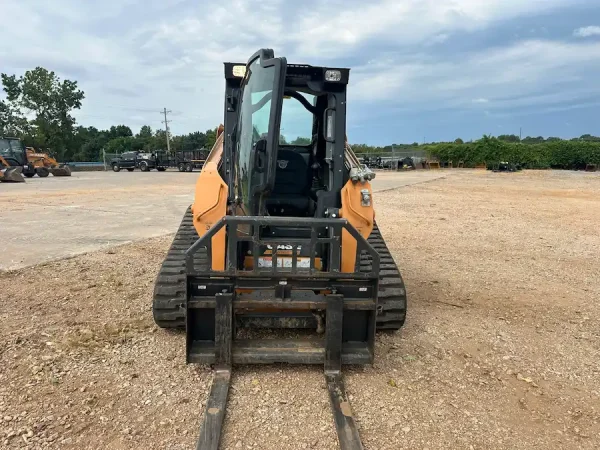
{"x": 335, "y": 226}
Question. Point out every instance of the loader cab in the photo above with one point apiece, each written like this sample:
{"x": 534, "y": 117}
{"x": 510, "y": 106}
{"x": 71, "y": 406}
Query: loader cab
{"x": 285, "y": 129}
{"x": 13, "y": 151}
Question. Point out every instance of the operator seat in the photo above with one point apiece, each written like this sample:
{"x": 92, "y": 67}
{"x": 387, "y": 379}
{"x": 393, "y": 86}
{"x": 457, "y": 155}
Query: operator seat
{"x": 291, "y": 193}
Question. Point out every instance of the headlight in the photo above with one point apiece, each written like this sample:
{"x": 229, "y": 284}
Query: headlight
{"x": 333, "y": 75}
{"x": 239, "y": 71}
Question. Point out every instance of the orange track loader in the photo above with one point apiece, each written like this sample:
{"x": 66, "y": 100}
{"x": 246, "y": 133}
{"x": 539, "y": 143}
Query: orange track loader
{"x": 281, "y": 235}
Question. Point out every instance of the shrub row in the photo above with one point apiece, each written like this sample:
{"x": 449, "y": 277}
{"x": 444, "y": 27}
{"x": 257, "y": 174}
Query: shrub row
{"x": 555, "y": 154}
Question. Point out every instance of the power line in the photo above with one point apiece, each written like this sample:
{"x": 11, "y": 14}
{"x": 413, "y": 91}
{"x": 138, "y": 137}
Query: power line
{"x": 128, "y": 108}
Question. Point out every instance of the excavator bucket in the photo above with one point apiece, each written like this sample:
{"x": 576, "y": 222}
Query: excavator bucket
{"x": 61, "y": 171}
{"x": 12, "y": 175}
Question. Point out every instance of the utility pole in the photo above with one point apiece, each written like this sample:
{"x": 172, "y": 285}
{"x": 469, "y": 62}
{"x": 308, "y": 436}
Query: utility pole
{"x": 166, "y": 122}
{"x": 520, "y": 133}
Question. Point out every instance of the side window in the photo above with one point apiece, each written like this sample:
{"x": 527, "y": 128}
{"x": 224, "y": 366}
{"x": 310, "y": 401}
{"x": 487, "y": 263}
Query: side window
{"x": 296, "y": 122}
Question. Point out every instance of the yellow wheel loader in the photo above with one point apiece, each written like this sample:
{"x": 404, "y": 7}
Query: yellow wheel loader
{"x": 281, "y": 235}
{"x": 43, "y": 164}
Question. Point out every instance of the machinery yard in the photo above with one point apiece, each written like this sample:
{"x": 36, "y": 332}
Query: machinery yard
{"x": 95, "y": 210}
{"x": 501, "y": 347}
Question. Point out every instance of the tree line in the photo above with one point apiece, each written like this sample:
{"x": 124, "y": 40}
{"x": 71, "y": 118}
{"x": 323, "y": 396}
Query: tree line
{"x": 91, "y": 142}
{"x": 39, "y": 105}
{"x": 38, "y": 109}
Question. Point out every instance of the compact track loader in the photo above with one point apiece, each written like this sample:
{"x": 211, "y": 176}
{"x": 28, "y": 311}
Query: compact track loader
{"x": 281, "y": 235}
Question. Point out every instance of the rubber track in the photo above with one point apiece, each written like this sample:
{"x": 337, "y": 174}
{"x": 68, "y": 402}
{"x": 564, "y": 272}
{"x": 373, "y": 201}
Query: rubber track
{"x": 168, "y": 304}
{"x": 391, "y": 302}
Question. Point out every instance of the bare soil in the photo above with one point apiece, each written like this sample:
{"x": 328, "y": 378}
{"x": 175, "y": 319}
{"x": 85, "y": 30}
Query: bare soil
{"x": 501, "y": 348}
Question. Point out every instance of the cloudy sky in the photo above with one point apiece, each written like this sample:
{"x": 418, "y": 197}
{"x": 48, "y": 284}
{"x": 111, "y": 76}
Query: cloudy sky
{"x": 421, "y": 69}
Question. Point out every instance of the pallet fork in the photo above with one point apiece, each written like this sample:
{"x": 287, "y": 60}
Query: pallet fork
{"x": 349, "y": 301}
{"x": 214, "y": 414}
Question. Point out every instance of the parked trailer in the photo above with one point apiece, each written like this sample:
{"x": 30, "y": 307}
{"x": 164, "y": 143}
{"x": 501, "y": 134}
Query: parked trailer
{"x": 185, "y": 161}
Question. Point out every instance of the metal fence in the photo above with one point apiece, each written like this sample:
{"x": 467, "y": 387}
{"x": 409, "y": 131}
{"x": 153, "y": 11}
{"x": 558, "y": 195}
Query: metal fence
{"x": 107, "y": 157}
{"x": 390, "y": 160}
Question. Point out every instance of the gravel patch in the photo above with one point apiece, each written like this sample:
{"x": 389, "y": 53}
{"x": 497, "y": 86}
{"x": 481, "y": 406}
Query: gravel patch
{"x": 501, "y": 348}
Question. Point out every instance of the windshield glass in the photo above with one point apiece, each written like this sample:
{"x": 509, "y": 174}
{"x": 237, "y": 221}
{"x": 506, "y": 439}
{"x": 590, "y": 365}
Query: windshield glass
{"x": 253, "y": 123}
{"x": 296, "y": 122}
{"x": 5, "y": 147}
{"x": 12, "y": 151}
{"x": 10, "y": 147}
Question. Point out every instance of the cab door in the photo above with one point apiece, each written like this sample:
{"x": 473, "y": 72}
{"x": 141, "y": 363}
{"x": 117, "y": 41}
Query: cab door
{"x": 257, "y": 133}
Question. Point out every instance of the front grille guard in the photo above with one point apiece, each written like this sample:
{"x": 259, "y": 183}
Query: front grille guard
{"x": 334, "y": 239}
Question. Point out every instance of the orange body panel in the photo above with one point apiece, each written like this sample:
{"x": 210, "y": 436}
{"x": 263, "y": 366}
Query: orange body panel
{"x": 210, "y": 203}
{"x": 360, "y": 217}
{"x": 40, "y": 159}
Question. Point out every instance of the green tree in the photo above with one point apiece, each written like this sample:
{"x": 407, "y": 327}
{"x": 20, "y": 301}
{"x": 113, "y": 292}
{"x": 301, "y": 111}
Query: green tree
{"x": 119, "y": 131}
{"x": 12, "y": 122}
{"x": 458, "y": 141}
{"x": 301, "y": 141}
{"x": 211, "y": 138}
{"x": 509, "y": 137}
{"x": 51, "y": 100}
{"x": 195, "y": 141}
{"x": 177, "y": 143}
{"x": 145, "y": 132}
{"x": 533, "y": 140}
{"x": 120, "y": 144}
{"x": 589, "y": 137}
{"x": 143, "y": 141}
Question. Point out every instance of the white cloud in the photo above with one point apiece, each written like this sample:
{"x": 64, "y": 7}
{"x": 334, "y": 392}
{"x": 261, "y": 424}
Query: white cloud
{"x": 439, "y": 38}
{"x": 587, "y": 31}
{"x": 169, "y": 53}
{"x": 404, "y": 21}
{"x": 535, "y": 72}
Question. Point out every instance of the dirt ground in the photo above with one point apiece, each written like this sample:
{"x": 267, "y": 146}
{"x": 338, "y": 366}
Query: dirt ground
{"x": 501, "y": 348}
